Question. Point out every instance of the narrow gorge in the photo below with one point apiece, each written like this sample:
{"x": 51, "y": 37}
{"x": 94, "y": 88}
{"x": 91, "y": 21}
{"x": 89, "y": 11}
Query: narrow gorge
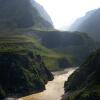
{"x": 39, "y": 62}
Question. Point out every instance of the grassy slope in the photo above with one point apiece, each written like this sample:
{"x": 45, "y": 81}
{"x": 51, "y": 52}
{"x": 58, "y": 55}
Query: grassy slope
{"x": 76, "y": 46}
{"x": 53, "y": 45}
{"x": 25, "y": 42}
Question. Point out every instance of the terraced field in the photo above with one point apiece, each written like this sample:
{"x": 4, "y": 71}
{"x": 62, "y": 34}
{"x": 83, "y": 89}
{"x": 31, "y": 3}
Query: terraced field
{"x": 20, "y": 43}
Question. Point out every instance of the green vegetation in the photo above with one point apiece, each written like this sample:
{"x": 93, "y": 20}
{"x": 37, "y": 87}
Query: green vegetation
{"x": 22, "y": 73}
{"x": 25, "y": 35}
{"x": 84, "y": 83}
{"x": 75, "y": 46}
{"x": 20, "y": 14}
{"x": 20, "y": 43}
{"x": 37, "y": 34}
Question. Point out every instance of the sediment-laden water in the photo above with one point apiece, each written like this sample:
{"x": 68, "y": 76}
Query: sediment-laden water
{"x": 54, "y": 89}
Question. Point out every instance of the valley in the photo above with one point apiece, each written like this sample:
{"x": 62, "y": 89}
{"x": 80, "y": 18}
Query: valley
{"x": 52, "y": 88}
{"x": 39, "y": 62}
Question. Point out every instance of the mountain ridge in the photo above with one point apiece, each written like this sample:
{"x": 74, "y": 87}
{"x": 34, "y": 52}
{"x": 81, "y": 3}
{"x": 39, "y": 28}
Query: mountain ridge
{"x": 42, "y": 11}
{"x": 20, "y": 14}
{"x": 74, "y": 44}
{"x": 89, "y": 23}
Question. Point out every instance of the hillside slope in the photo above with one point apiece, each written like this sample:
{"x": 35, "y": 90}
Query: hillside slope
{"x": 76, "y": 46}
{"x": 84, "y": 83}
{"x": 20, "y": 14}
{"x": 52, "y": 59}
{"x": 89, "y": 23}
{"x": 42, "y": 11}
{"x": 21, "y": 67}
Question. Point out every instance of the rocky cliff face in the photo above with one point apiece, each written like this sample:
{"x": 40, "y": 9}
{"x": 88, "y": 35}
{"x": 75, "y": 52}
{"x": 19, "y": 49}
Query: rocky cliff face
{"x": 84, "y": 83}
{"x": 22, "y": 74}
{"x": 20, "y": 14}
{"x": 89, "y": 23}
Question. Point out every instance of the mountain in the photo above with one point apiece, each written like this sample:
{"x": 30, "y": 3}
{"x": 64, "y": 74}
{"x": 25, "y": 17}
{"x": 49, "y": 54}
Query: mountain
{"x": 21, "y": 14}
{"x": 42, "y": 11}
{"x": 53, "y": 60}
{"x": 84, "y": 83}
{"x": 89, "y": 23}
{"x": 24, "y": 59}
{"x": 76, "y": 46}
{"x": 22, "y": 70}
{"x": 17, "y": 18}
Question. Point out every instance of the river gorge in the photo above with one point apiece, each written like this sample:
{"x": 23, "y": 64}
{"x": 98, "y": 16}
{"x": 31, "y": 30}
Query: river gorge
{"x": 54, "y": 89}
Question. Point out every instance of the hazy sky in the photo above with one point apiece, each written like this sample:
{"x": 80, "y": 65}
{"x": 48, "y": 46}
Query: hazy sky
{"x": 65, "y": 12}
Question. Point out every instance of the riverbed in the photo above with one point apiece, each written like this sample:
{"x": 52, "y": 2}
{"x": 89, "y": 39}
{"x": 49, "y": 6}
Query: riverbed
{"x": 54, "y": 89}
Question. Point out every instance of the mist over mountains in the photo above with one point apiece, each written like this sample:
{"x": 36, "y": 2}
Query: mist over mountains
{"x": 89, "y": 23}
{"x": 42, "y": 11}
{"x": 21, "y": 14}
{"x": 33, "y": 47}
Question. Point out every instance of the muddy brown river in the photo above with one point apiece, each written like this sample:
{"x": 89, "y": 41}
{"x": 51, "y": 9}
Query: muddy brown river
{"x": 54, "y": 89}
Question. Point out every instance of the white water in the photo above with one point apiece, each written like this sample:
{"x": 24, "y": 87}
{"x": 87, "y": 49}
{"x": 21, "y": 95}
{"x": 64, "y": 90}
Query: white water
{"x": 54, "y": 89}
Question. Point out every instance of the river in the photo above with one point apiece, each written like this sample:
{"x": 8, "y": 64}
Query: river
{"x": 54, "y": 89}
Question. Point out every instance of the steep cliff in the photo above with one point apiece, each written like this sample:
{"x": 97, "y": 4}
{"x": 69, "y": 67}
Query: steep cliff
{"x": 22, "y": 73}
{"x": 84, "y": 83}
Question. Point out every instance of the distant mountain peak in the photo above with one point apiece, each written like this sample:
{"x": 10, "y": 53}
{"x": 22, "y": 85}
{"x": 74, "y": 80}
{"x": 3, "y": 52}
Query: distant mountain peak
{"x": 89, "y": 23}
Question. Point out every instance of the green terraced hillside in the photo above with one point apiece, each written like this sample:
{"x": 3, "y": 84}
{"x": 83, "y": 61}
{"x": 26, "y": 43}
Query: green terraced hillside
{"x": 76, "y": 46}
{"x": 18, "y": 43}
